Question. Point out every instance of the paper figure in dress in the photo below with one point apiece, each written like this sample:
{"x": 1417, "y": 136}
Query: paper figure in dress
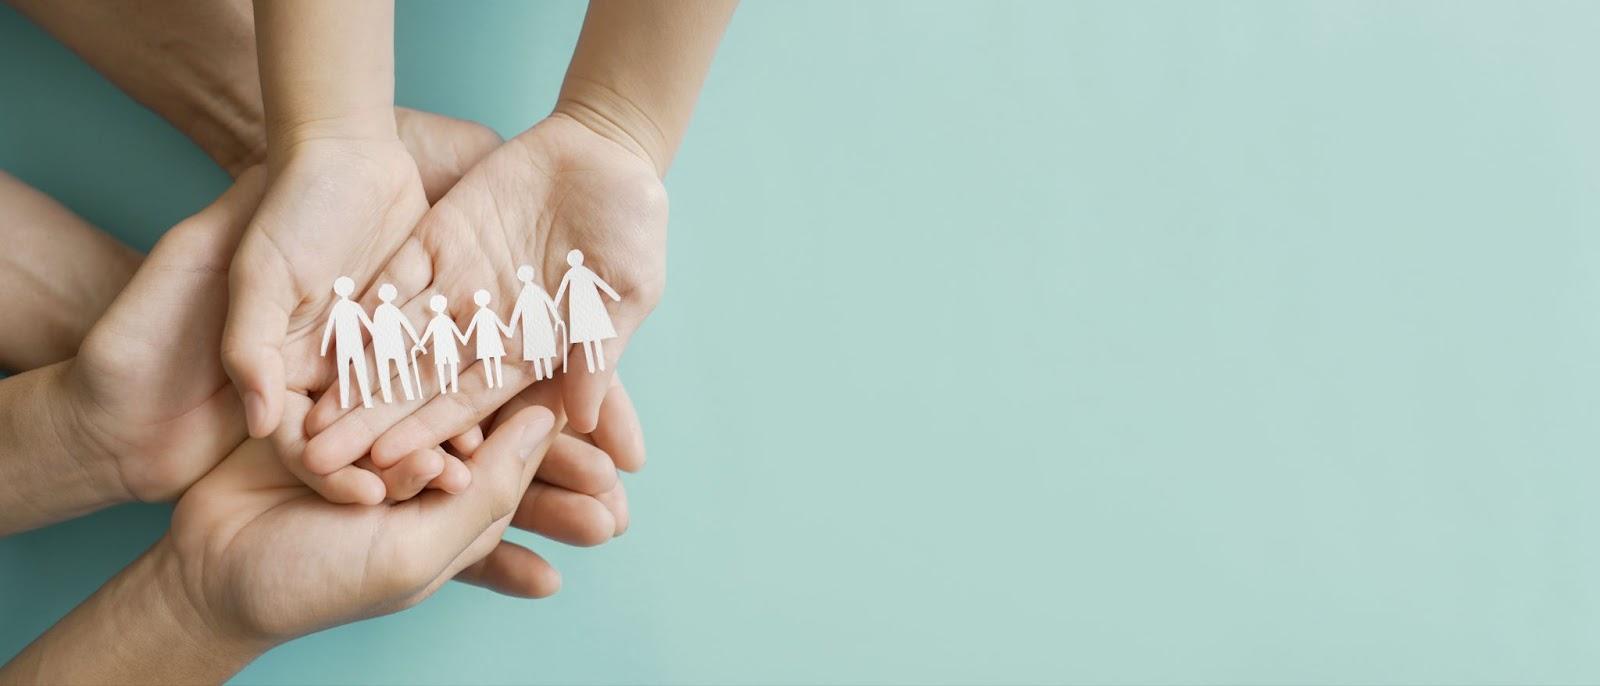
{"x": 389, "y": 347}
{"x": 349, "y": 350}
{"x": 539, "y": 318}
{"x": 586, "y": 312}
{"x": 442, "y": 333}
{"x": 491, "y": 350}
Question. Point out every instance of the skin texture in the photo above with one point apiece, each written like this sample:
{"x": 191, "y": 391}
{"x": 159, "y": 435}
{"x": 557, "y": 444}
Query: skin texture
{"x": 59, "y": 274}
{"x": 217, "y": 591}
{"x": 586, "y": 177}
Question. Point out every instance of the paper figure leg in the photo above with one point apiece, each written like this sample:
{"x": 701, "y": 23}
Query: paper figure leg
{"x": 455, "y": 377}
{"x": 443, "y": 387}
{"x": 588, "y": 354}
{"x": 488, "y": 372}
{"x": 362, "y": 381}
{"x": 383, "y": 381}
{"x": 344, "y": 384}
{"x": 405, "y": 380}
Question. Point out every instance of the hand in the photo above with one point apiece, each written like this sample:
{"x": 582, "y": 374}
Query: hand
{"x": 272, "y": 560}
{"x": 442, "y": 147}
{"x": 147, "y": 391}
{"x": 556, "y": 187}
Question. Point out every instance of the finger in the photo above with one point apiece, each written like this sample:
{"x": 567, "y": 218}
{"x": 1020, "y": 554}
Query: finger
{"x": 501, "y": 470}
{"x": 582, "y": 391}
{"x": 563, "y": 515}
{"x": 468, "y": 442}
{"x": 618, "y": 431}
{"x": 408, "y": 478}
{"x": 261, "y": 296}
{"x": 513, "y": 570}
{"x": 577, "y": 465}
{"x": 445, "y": 416}
{"x": 616, "y": 501}
{"x": 455, "y": 478}
{"x": 349, "y": 485}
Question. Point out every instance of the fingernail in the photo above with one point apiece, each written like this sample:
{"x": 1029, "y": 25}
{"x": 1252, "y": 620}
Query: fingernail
{"x": 255, "y": 413}
{"x": 534, "y": 434}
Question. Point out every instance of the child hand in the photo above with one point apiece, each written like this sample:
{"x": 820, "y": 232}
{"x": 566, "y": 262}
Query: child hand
{"x": 557, "y": 187}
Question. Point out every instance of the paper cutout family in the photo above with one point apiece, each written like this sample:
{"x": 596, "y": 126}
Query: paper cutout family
{"x": 536, "y": 312}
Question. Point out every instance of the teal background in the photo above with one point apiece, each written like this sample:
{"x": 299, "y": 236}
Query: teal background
{"x": 1115, "y": 342}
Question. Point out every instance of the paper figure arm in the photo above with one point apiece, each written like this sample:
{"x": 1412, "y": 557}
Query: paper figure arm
{"x": 606, "y": 287}
{"x": 516, "y": 314}
{"x": 405, "y": 323}
{"x": 327, "y": 332}
{"x": 555, "y": 314}
{"x": 431, "y": 331}
{"x": 463, "y": 337}
{"x": 565, "y": 279}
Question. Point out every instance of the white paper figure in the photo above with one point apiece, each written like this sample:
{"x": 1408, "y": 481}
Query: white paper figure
{"x": 539, "y": 318}
{"x": 442, "y": 333}
{"x": 389, "y": 345}
{"x": 586, "y": 312}
{"x": 491, "y": 349}
{"x": 344, "y": 325}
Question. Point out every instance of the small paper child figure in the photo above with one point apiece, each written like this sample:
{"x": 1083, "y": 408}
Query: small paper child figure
{"x": 349, "y": 350}
{"x": 389, "y": 346}
{"x": 491, "y": 349}
{"x": 539, "y": 318}
{"x": 586, "y": 312}
{"x": 443, "y": 333}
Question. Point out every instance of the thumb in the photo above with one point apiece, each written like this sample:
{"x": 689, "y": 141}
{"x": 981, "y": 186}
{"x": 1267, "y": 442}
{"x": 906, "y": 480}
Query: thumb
{"x": 261, "y": 295}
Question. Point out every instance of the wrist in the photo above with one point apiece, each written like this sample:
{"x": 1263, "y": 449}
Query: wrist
{"x": 52, "y": 472}
{"x": 142, "y": 626}
{"x": 613, "y": 116}
{"x": 289, "y": 136}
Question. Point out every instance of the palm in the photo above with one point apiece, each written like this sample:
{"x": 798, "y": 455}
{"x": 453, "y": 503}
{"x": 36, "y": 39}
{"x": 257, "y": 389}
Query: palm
{"x": 285, "y": 562}
{"x": 261, "y": 548}
{"x": 556, "y": 187}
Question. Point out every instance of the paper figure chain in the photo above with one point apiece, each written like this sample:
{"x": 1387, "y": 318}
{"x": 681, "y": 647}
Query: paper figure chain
{"x": 535, "y": 315}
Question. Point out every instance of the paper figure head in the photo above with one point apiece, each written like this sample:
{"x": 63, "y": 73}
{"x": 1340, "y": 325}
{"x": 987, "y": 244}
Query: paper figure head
{"x": 386, "y": 292}
{"x": 574, "y": 257}
{"x": 525, "y": 273}
{"x": 344, "y": 286}
{"x": 481, "y": 297}
{"x": 437, "y": 303}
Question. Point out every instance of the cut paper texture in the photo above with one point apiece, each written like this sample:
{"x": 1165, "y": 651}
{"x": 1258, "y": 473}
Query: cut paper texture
{"x": 535, "y": 319}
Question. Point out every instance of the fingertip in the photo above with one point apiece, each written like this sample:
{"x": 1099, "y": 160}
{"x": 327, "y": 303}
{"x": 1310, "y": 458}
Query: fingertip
{"x": 256, "y": 418}
{"x": 455, "y": 478}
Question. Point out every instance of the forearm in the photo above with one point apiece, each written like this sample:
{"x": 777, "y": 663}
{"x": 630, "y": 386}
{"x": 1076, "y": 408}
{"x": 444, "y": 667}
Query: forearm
{"x": 59, "y": 275}
{"x": 44, "y": 476}
{"x": 638, "y": 69}
{"x": 139, "y": 628}
{"x": 191, "y": 61}
{"x": 327, "y": 70}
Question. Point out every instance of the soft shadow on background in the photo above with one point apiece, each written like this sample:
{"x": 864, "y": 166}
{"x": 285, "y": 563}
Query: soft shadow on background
{"x": 1121, "y": 342}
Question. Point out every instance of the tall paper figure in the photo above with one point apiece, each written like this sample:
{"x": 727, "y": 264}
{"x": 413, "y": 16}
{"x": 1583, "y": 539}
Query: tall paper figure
{"x": 586, "y": 312}
{"x": 389, "y": 345}
{"x": 344, "y": 326}
{"x": 491, "y": 349}
{"x": 443, "y": 333}
{"x": 539, "y": 318}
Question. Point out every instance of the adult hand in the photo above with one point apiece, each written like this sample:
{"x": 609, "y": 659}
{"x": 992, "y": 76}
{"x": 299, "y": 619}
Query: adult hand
{"x": 255, "y": 558}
